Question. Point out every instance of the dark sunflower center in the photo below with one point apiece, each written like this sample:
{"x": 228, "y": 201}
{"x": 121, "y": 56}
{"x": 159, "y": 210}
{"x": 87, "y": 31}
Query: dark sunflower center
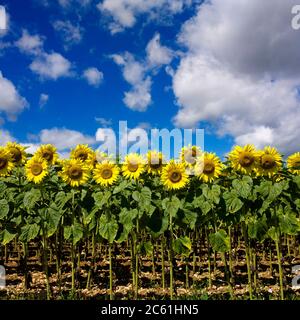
{"x": 132, "y": 167}
{"x": 175, "y": 176}
{"x": 3, "y": 163}
{"x": 48, "y": 155}
{"x": 16, "y": 154}
{"x": 268, "y": 162}
{"x": 155, "y": 163}
{"x": 107, "y": 173}
{"x": 297, "y": 165}
{"x": 36, "y": 169}
{"x": 246, "y": 160}
{"x": 75, "y": 173}
{"x": 82, "y": 156}
{"x": 209, "y": 168}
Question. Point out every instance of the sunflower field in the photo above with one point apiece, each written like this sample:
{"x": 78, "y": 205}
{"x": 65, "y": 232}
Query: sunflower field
{"x": 194, "y": 227}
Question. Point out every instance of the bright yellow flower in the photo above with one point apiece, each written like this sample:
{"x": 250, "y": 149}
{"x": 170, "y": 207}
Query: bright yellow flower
{"x": 6, "y": 162}
{"x": 133, "y": 166}
{"x": 293, "y": 163}
{"x": 174, "y": 176}
{"x": 106, "y": 173}
{"x": 75, "y": 172}
{"x": 36, "y": 169}
{"x": 17, "y": 152}
{"x": 243, "y": 159}
{"x": 82, "y": 152}
{"x": 209, "y": 168}
{"x": 269, "y": 162}
{"x": 190, "y": 154}
{"x": 48, "y": 152}
{"x": 154, "y": 162}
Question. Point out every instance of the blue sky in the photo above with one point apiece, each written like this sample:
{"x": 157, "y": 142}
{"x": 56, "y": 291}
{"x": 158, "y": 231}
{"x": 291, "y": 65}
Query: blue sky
{"x": 67, "y": 65}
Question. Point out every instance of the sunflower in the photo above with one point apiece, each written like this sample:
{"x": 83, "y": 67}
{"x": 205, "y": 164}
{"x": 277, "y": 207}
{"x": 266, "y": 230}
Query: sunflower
{"x": 6, "y": 162}
{"x": 209, "y": 168}
{"x": 269, "y": 162}
{"x": 106, "y": 173}
{"x": 48, "y": 152}
{"x": 293, "y": 163}
{"x": 133, "y": 166}
{"x": 17, "y": 152}
{"x": 174, "y": 175}
{"x": 82, "y": 152}
{"x": 36, "y": 169}
{"x": 189, "y": 155}
{"x": 75, "y": 172}
{"x": 154, "y": 162}
{"x": 243, "y": 159}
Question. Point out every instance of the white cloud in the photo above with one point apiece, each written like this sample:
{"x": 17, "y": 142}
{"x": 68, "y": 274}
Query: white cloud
{"x": 5, "y": 136}
{"x": 64, "y": 138}
{"x": 43, "y": 100}
{"x": 93, "y": 76}
{"x": 70, "y": 33}
{"x": 30, "y": 44}
{"x": 11, "y": 103}
{"x": 139, "y": 73}
{"x": 51, "y": 66}
{"x": 124, "y": 13}
{"x": 69, "y": 3}
{"x": 241, "y": 72}
{"x": 157, "y": 54}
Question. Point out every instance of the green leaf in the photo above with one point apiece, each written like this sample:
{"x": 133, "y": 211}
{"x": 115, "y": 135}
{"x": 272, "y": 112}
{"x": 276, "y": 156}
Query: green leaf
{"x": 257, "y": 228}
{"x": 108, "y": 228}
{"x": 243, "y": 187}
{"x": 101, "y": 199}
{"x": 122, "y": 186}
{"x": 212, "y": 194}
{"x": 183, "y": 246}
{"x": 233, "y": 203}
{"x": 31, "y": 198}
{"x": 171, "y": 206}
{"x": 7, "y": 236}
{"x": 54, "y": 216}
{"x": 4, "y": 208}
{"x": 29, "y": 232}
{"x": 77, "y": 232}
{"x": 289, "y": 224}
{"x": 220, "y": 241}
{"x": 145, "y": 248}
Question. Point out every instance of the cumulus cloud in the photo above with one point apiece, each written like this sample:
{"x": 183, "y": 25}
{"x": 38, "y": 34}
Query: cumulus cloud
{"x": 30, "y": 44}
{"x": 47, "y": 65}
{"x": 64, "y": 138}
{"x": 241, "y": 72}
{"x": 5, "y": 136}
{"x": 70, "y": 33}
{"x": 51, "y": 66}
{"x": 139, "y": 73}
{"x": 124, "y": 13}
{"x": 11, "y": 102}
{"x": 93, "y": 76}
{"x": 43, "y": 99}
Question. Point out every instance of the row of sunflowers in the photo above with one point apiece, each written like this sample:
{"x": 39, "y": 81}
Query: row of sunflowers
{"x": 84, "y": 163}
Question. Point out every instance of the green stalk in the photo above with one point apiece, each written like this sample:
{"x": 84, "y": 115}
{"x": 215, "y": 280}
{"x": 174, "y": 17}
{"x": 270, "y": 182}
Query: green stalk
{"x": 88, "y": 284}
{"x": 279, "y": 256}
{"x": 227, "y": 274}
{"x": 110, "y": 273}
{"x": 244, "y": 227}
{"x": 163, "y": 263}
{"x": 171, "y": 258}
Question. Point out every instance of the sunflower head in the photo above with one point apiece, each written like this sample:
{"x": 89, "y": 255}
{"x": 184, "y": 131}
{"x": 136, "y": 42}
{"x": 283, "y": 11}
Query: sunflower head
{"x": 17, "y": 153}
{"x": 190, "y": 154}
{"x": 269, "y": 162}
{"x": 106, "y": 173}
{"x": 82, "y": 152}
{"x": 75, "y": 172}
{"x": 154, "y": 162}
{"x": 174, "y": 176}
{"x": 48, "y": 153}
{"x": 243, "y": 159}
{"x": 133, "y": 166}
{"x": 209, "y": 167}
{"x": 36, "y": 169}
{"x": 6, "y": 162}
{"x": 293, "y": 163}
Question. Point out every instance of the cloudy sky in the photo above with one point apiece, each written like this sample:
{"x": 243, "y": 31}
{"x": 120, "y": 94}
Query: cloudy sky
{"x": 231, "y": 67}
